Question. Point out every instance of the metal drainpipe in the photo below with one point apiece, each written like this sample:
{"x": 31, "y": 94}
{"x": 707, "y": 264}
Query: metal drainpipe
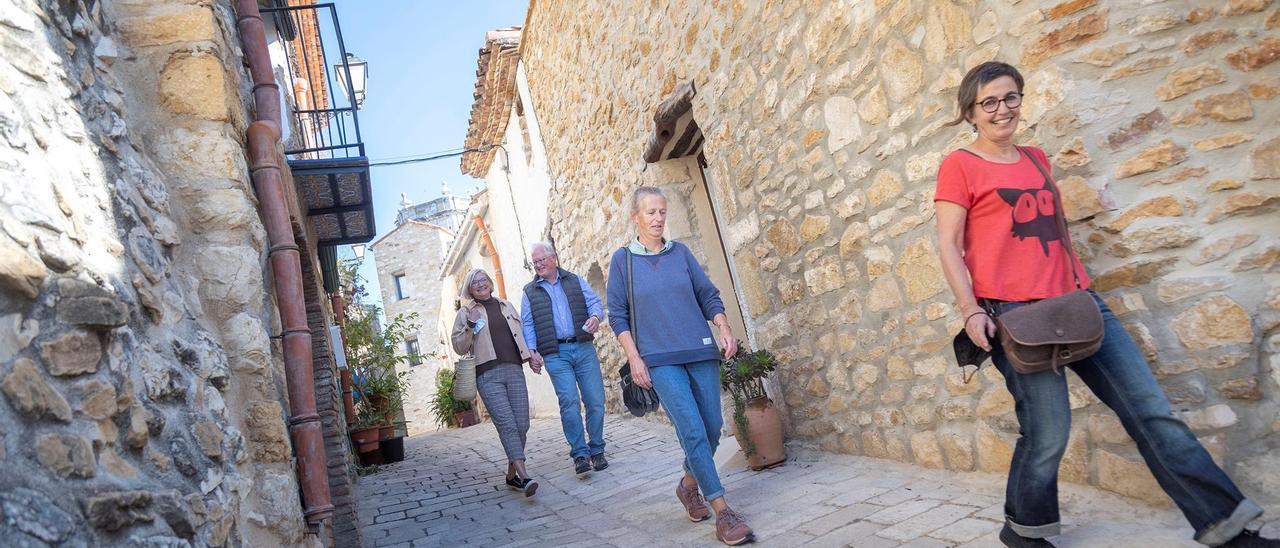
{"x": 340, "y": 316}
{"x": 493, "y": 252}
{"x": 286, "y": 267}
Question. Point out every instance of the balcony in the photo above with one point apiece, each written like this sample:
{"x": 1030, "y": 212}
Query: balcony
{"x": 323, "y": 144}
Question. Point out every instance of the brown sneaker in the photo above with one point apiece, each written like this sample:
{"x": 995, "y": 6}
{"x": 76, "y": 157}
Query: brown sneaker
{"x": 693, "y": 502}
{"x": 731, "y": 529}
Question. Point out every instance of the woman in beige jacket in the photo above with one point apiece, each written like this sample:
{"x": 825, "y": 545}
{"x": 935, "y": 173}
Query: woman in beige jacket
{"x": 489, "y": 329}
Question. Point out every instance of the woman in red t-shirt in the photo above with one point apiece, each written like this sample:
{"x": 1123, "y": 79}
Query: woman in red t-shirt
{"x": 1001, "y": 247}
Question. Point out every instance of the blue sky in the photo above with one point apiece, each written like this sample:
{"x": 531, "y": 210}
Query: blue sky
{"x": 422, "y": 65}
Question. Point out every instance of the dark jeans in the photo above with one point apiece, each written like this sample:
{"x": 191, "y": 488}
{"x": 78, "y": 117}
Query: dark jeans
{"x": 1120, "y": 377}
{"x": 575, "y": 374}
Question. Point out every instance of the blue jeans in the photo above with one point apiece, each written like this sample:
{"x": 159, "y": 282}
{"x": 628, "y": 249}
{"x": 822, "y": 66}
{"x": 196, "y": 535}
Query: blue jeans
{"x": 576, "y": 370}
{"x": 1120, "y": 377}
{"x": 690, "y": 394}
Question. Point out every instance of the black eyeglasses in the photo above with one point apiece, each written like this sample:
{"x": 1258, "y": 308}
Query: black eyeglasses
{"x": 542, "y": 261}
{"x": 991, "y": 104}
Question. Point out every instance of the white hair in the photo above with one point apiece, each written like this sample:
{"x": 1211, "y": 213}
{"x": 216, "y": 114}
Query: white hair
{"x": 641, "y": 193}
{"x": 544, "y": 245}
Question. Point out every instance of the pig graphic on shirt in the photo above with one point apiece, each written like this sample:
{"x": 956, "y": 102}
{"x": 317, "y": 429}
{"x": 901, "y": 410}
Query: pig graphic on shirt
{"x": 1033, "y": 214}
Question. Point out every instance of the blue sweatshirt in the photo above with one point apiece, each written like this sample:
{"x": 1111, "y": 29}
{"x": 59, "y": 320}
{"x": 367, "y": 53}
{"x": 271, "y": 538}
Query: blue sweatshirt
{"x": 674, "y": 300}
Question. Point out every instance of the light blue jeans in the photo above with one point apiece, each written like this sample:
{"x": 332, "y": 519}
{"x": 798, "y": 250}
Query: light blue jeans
{"x": 575, "y": 374}
{"x": 690, "y": 394}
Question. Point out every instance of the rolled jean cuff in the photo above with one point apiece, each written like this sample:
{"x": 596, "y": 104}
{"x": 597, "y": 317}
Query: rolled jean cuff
{"x": 713, "y": 496}
{"x": 1034, "y": 531}
{"x": 1227, "y": 529}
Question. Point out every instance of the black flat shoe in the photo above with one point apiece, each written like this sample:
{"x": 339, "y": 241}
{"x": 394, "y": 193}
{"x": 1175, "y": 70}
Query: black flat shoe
{"x": 581, "y": 465}
{"x": 1251, "y": 539}
{"x": 598, "y": 462}
{"x": 1014, "y": 540}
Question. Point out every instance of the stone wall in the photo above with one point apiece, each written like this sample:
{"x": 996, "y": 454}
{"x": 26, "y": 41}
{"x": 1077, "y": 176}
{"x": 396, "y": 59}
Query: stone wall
{"x": 825, "y": 123}
{"x": 416, "y": 250}
{"x": 143, "y": 397}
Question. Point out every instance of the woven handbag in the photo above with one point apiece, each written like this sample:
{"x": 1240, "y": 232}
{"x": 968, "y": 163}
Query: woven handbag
{"x": 464, "y": 379}
{"x": 637, "y": 400}
{"x": 1052, "y": 332}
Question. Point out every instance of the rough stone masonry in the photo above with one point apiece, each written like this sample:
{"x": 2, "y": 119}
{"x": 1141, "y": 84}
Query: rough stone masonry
{"x": 141, "y": 395}
{"x": 825, "y": 123}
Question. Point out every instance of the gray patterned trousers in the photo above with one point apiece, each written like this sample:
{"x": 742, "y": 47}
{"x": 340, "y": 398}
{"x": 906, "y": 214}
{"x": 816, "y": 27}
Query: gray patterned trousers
{"x": 506, "y": 397}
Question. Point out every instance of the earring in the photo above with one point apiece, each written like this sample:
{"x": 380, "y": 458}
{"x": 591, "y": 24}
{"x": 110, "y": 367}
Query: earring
{"x": 975, "y": 127}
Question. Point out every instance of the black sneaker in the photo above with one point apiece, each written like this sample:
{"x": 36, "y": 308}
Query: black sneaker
{"x": 1251, "y": 539}
{"x": 1014, "y": 540}
{"x": 523, "y": 484}
{"x": 598, "y": 462}
{"x": 581, "y": 465}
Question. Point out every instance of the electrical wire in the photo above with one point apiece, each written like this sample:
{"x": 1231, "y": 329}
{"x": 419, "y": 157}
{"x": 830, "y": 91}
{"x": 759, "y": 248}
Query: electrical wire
{"x": 433, "y": 156}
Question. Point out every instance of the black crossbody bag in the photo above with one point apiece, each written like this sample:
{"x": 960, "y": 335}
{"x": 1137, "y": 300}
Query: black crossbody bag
{"x": 637, "y": 400}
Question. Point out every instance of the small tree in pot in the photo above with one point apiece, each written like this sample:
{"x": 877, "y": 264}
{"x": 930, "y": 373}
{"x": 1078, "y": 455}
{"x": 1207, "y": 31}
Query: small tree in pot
{"x": 450, "y": 412}
{"x": 756, "y": 422}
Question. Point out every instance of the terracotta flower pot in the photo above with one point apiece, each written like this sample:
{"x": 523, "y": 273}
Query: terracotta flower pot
{"x": 465, "y": 418}
{"x": 764, "y": 429}
{"x": 386, "y": 431}
{"x": 365, "y": 435}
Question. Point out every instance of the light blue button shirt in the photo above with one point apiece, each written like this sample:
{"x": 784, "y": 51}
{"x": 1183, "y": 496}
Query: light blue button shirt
{"x": 560, "y": 312}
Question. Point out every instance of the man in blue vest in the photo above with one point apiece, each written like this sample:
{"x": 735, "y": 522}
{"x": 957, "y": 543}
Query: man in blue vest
{"x": 561, "y": 315}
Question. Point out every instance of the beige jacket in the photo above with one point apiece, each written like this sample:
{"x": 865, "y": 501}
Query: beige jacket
{"x": 480, "y": 344}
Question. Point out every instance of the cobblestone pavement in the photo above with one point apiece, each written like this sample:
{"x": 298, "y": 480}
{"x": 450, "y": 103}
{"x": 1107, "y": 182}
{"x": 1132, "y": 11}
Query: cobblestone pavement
{"x": 449, "y": 490}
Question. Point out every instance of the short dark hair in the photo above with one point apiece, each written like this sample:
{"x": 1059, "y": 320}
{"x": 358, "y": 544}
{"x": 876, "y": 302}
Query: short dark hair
{"x": 978, "y": 76}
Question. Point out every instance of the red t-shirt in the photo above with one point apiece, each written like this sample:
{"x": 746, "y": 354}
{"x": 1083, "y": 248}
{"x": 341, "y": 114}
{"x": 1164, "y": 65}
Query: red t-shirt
{"x": 1013, "y": 244}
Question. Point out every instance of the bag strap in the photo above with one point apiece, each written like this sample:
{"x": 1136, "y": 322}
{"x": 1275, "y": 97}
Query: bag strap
{"x": 1071, "y": 257}
{"x": 631, "y": 299}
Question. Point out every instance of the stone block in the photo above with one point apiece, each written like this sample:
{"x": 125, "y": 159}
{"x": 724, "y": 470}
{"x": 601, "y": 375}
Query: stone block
{"x": 1173, "y": 289}
{"x": 1252, "y": 58}
{"x": 1213, "y": 322}
{"x": 72, "y": 353}
{"x": 209, "y": 437}
{"x": 814, "y": 227}
{"x": 19, "y": 271}
{"x": 1224, "y": 107}
{"x": 956, "y": 408}
{"x": 265, "y": 429}
{"x": 884, "y": 295}
{"x": 907, "y": 74}
{"x": 85, "y": 303}
{"x": 1073, "y": 467}
{"x": 841, "y": 115}
{"x": 1139, "y": 127}
{"x": 1065, "y": 38}
{"x": 1222, "y": 141}
{"x": 1080, "y": 200}
{"x": 1220, "y": 248}
{"x": 116, "y": 510}
{"x": 994, "y": 452}
{"x": 926, "y": 451}
{"x": 30, "y": 394}
{"x": 180, "y": 25}
{"x": 995, "y": 401}
{"x": 1133, "y": 274}
{"x": 1152, "y": 238}
{"x": 1163, "y": 154}
{"x": 886, "y": 185}
{"x": 1105, "y": 427}
{"x": 67, "y": 455}
{"x": 98, "y": 400}
{"x": 1210, "y": 418}
{"x": 1127, "y": 477}
{"x": 783, "y": 237}
{"x": 1186, "y": 80}
{"x": 1264, "y": 160}
{"x": 920, "y": 271}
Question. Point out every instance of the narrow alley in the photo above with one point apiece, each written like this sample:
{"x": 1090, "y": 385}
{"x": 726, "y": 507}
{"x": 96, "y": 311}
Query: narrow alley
{"x": 449, "y": 491}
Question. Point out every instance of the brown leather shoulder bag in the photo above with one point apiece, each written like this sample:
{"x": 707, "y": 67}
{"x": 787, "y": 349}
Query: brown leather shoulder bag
{"x": 1049, "y": 333}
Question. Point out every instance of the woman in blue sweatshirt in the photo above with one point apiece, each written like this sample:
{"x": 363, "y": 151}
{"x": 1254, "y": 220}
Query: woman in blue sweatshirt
{"x": 660, "y": 316}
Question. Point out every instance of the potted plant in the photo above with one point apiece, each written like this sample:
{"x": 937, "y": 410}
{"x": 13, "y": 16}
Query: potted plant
{"x": 756, "y": 422}
{"x": 364, "y": 431}
{"x": 448, "y": 411}
{"x": 372, "y": 356}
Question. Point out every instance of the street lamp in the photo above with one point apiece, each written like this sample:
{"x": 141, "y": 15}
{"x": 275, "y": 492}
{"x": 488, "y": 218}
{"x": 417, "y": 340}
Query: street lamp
{"x": 358, "y": 249}
{"x": 359, "y": 78}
